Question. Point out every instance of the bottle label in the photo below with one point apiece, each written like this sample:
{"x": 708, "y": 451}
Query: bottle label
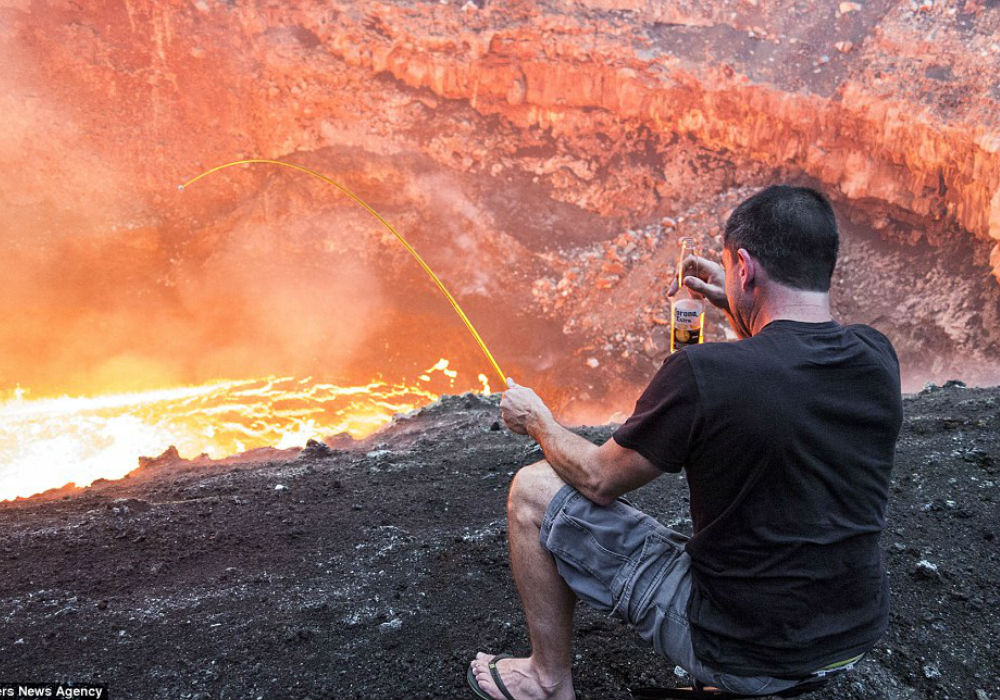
{"x": 687, "y": 327}
{"x": 686, "y": 336}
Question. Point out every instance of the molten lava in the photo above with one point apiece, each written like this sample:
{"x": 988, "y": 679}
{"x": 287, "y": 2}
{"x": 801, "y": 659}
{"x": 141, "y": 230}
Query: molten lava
{"x": 46, "y": 443}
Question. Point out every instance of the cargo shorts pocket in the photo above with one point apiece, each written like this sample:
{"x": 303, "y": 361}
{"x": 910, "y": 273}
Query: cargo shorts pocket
{"x": 603, "y": 552}
{"x": 595, "y": 573}
{"x": 655, "y": 570}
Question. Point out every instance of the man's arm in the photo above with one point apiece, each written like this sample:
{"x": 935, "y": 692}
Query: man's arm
{"x": 602, "y": 473}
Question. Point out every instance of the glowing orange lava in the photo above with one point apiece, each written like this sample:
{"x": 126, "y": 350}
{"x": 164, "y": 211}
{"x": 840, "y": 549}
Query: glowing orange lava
{"x": 46, "y": 443}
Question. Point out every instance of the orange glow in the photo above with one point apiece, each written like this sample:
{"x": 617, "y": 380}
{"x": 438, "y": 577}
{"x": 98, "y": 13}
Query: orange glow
{"x": 46, "y": 443}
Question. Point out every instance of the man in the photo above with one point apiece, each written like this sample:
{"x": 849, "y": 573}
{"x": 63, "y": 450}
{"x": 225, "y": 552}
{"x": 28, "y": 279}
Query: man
{"x": 787, "y": 439}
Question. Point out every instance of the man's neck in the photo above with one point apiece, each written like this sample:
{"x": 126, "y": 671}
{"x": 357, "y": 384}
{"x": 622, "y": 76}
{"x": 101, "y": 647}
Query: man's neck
{"x": 788, "y": 304}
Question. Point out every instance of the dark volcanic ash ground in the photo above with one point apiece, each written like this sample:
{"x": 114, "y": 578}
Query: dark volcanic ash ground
{"x": 379, "y": 569}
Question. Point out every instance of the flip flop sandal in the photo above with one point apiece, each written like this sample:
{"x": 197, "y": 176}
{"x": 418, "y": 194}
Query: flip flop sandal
{"x": 474, "y": 684}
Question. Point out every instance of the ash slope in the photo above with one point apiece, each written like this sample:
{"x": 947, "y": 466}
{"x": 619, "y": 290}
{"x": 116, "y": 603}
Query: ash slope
{"x": 379, "y": 569}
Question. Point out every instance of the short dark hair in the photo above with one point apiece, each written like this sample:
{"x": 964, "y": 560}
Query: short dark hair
{"x": 792, "y": 231}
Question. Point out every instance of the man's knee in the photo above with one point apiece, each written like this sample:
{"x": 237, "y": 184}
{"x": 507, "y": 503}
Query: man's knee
{"x": 532, "y": 490}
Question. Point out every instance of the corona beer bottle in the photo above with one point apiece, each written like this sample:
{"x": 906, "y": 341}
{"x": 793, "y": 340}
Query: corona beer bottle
{"x": 687, "y": 313}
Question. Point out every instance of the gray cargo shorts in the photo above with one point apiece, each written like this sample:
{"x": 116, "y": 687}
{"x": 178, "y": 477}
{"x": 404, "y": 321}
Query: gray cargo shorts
{"x": 623, "y": 562}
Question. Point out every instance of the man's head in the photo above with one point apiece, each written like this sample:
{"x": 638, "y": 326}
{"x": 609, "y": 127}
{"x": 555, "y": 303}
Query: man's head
{"x": 791, "y": 231}
{"x": 782, "y": 238}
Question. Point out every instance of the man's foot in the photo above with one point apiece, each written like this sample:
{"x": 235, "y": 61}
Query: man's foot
{"x": 522, "y": 679}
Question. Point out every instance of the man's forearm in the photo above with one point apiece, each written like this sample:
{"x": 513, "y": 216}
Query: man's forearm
{"x": 572, "y": 457}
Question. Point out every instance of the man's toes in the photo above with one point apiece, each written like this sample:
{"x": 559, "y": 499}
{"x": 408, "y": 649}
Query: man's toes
{"x": 480, "y": 661}
{"x": 485, "y": 682}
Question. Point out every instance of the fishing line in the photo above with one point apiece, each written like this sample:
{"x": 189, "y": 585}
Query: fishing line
{"x": 393, "y": 231}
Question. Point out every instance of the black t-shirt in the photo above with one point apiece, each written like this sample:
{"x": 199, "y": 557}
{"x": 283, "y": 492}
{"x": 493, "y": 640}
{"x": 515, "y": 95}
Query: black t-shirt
{"x": 787, "y": 440}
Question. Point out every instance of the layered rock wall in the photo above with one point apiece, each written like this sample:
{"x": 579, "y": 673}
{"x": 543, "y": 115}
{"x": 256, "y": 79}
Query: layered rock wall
{"x": 928, "y": 166}
{"x": 891, "y": 105}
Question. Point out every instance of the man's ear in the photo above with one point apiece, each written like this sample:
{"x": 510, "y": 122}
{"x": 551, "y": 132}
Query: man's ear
{"x": 746, "y": 268}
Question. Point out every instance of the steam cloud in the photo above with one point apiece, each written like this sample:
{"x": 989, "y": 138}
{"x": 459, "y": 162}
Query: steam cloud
{"x": 100, "y": 293}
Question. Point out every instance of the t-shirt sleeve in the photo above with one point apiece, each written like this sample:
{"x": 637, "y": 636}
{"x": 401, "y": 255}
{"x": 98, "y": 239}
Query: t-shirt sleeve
{"x": 660, "y": 426}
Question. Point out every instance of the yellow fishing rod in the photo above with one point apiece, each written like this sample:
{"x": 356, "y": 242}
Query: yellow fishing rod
{"x": 393, "y": 231}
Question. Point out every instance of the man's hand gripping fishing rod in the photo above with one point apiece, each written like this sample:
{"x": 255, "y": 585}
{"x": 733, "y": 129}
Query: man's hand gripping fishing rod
{"x": 599, "y": 472}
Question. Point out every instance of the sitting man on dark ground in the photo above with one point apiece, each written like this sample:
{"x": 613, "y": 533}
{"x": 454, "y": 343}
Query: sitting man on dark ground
{"x": 787, "y": 439}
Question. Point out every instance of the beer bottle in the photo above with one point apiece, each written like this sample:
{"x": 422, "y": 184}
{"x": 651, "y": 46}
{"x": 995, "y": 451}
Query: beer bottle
{"x": 687, "y": 313}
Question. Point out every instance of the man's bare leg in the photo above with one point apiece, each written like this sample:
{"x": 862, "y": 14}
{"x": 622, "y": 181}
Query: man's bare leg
{"x": 548, "y": 602}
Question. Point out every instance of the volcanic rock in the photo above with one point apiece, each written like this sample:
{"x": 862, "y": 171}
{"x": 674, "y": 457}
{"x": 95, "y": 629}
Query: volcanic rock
{"x": 315, "y": 449}
{"x": 169, "y": 457}
{"x": 926, "y": 570}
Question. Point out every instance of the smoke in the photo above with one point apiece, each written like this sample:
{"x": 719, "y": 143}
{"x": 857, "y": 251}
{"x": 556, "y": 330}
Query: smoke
{"x": 270, "y": 299}
{"x": 112, "y": 280}
{"x": 96, "y": 313}
{"x": 61, "y": 208}
{"x": 98, "y": 294}
{"x": 469, "y": 237}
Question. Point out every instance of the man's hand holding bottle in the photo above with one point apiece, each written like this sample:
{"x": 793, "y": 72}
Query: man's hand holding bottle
{"x": 705, "y": 279}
